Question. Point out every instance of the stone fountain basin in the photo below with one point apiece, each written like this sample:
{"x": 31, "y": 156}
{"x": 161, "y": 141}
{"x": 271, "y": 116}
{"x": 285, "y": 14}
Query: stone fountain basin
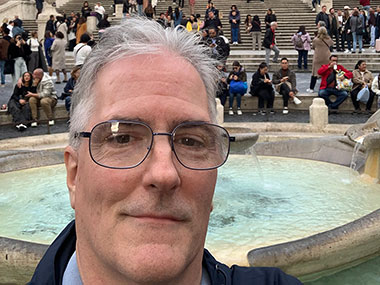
{"x": 306, "y": 258}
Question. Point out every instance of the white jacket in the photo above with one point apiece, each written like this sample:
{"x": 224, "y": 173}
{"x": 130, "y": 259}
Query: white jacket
{"x": 375, "y": 85}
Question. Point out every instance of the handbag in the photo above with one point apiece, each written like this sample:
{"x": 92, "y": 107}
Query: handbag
{"x": 239, "y": 87}
{"x": 9, "y": 67}
{"x": 363, "y": 95}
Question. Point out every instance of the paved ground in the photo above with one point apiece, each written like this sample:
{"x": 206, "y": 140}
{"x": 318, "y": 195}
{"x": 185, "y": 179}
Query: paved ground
{"x": 303, "y": 80}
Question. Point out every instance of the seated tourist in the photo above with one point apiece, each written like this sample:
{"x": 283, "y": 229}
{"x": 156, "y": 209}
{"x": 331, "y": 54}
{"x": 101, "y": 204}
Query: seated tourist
{"x": 261, "y": 86}
{"x": 330, "y": 73}
{"x": 285, "y": 83}
{"x": 69, "y": 88}
{"x": 18, "y": 105}
{"x": 45, "y": 96}
{"x": 222, "y": 91}
{"x": 238, "y": 86}
{"x": 362, "y": 78}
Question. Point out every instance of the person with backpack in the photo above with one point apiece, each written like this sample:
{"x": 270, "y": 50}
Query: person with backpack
{"x": 301, "y": 41}
{"x": 237, "y": 79}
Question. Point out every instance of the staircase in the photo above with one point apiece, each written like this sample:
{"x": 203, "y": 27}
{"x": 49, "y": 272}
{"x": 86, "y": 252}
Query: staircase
{"x": 339, "y": 4}
{"x": 76, "y": 6}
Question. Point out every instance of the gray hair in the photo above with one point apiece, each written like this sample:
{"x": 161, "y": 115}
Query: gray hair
{"x": 136, "y": 36}
{"x": 273, "y": 24}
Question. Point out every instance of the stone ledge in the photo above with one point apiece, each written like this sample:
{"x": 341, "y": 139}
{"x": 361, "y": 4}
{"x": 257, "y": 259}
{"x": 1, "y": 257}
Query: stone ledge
{"x": 59, "y": 113}
{"x": 250, "y": 103}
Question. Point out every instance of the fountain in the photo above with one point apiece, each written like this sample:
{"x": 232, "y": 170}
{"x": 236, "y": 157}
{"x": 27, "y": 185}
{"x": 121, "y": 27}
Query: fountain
{"x": 307, "y": 258}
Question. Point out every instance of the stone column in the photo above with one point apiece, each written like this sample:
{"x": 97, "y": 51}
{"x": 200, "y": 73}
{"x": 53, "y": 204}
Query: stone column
{"x": 319, "y": 114}
{"x": 219, "y": 112}
{"x": 91, "y": 24}
{"x": 44, "y": 17}
{"x": 119, "y": 11}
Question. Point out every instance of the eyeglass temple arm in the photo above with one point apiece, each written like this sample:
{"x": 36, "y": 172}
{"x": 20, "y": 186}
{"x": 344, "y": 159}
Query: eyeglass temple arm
{"x": 82, "y": 134}
{"x": 232, "y": 139}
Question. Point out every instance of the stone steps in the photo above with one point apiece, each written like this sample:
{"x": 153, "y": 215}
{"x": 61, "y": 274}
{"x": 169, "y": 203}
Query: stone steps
{"x": 339, "y": 4}
{"x": 76, "y": 6}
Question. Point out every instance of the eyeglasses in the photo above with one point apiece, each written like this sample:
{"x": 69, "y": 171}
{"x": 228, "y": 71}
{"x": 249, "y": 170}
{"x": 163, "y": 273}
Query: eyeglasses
{"x": 126, "y": 144}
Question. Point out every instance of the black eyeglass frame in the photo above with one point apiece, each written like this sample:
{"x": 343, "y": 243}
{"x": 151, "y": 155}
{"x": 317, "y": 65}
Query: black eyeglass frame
{"x": 171, "y": 135}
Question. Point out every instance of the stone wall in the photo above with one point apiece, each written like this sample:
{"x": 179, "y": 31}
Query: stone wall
{"x": 25, "y": 9}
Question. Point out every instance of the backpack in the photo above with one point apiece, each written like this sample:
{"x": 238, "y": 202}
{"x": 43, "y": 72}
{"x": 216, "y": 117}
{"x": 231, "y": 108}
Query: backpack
{"x": 298, "y": 42}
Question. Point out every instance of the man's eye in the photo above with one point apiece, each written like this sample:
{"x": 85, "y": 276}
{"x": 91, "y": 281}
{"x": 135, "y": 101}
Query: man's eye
{"x": 120, "y": 139}
{"x": 187, "y": 141}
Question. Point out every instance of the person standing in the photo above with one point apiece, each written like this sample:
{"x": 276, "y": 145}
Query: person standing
{"x": 322, "y": 16}
{"x": 321, "y": 45}
{"x": 50, "y": 25}
{"x": 86, "y": 10}
{"x": 4, "y": 45}
{"x": 234, "y": 20}
{"x": 192, "y": 6}
{"x": 34, "y": 58}
{"x": 140, "y": 7}
{"x": 301, "y": 41}
{"x": 269, "y": 18}
{"x": 357, "y": 30}
{"x": 81, "y": 28}
{"x": 18, "y": 50}
{"x": 346, "y": 30}
{"x": 256, "y": 32}
{"x": 270, "y": 43}
{"x": 62, "y": 27}
{"x": 372, "y": 27}
{"x": 333, "y": 24}
{"x": 48, "y": 42}
{"x": 59, "y": 58}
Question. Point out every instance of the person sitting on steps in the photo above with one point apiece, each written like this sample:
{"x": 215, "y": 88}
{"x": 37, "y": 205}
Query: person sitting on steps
{"x": 46, "y": 96}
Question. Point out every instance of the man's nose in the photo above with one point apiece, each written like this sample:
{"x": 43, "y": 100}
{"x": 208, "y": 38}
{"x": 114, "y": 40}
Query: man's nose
{"x": 162, "y": 167}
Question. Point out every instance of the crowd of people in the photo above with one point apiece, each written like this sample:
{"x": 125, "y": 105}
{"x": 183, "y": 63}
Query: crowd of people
{"x": 22, "y": 54}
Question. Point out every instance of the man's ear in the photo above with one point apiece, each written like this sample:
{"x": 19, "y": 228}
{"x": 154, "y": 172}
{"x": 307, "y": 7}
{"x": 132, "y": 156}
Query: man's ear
{"x": 71, "y": 162}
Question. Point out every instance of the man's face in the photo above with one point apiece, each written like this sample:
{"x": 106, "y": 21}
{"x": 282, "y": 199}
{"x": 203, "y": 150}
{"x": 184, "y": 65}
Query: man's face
{"x": 324, "y": 8}
{"x": 284, "y": 64}
{"x": 332, "y": 11}
{"x": 37, "y": 76}
{"x": 212, "y": 33}
{"x": 334, "y": 60}
{"x": 211, "y": 15}
{"x": 148, "y": 223}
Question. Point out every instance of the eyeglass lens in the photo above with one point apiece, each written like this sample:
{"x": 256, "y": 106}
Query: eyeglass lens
{"x": 125, "y": 144}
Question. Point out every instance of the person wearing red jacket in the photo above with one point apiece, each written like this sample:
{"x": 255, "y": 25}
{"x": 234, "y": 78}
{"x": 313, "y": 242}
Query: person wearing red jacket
{"x": 328, "y": 84}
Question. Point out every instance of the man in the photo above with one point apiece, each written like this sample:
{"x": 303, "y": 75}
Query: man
{"x": 285, "y": 83}
{"x": 50, "y": 27}
{"x": 211, "y": 8}
{"x": 18, "y": 21}
{"x": 46, "y": 96}
{"x": 333, "y": 24}
{"x": 220, "y": 48}
{"x": 269, "y": 43}
{"x": 4, "y": 45}
{"x": 142, "y": 207}
{"x": 100, "y": 11}
{"x": 213, "y": 22}
{"x": 82, "y": 50}
{"x": 329, "y": 72}
{"x": 162, "y": 21}
{"x": 322, "y": 16}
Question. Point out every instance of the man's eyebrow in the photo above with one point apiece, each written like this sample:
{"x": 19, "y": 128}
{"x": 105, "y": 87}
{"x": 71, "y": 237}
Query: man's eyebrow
{"x": 173, "y": 123}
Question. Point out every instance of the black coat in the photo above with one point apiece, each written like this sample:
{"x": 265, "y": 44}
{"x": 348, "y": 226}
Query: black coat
{"x": 323, "y": 17}
{"x": 53, "y": 264}
{"x": 257, "y": 83}
{"x": 268, "y": 38}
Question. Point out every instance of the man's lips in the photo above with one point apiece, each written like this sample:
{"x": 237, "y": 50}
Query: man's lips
{"x": 157, "y": 218}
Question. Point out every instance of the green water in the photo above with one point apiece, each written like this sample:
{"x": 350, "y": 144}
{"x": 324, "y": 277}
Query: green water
{"x": 283, "y": 199}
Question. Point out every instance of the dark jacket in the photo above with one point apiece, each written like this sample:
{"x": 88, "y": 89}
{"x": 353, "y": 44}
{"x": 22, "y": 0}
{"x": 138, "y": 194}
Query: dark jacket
{"x": 237, "y": 18}
{"x": 257, "y": 83}
{"x": 214, "y": 23}
{"x": 242, "y": 75}
{"x": 50, "y": 26}
{"x": 256, "y": 25}
{"x": 268, "y": 38}
{"x": 323, "y": 17}
{"x": 20, "y": 92}
{"x": 4, "y": 45}
{"x": 70, "y": 85}
{"x": 277, "y": 76}
{"x": 14, "y": 51}
{"x": 269, "y": 18}
{"x": 52, "y": 266}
